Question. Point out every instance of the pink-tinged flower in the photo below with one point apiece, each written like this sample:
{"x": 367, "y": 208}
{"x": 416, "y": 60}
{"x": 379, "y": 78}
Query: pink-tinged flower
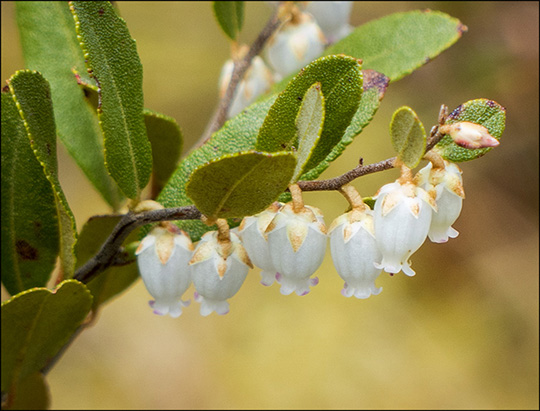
{"x": 257, "y": 81}
{"x": 446, "y": 186}
{"x": 163, "y": 257}
{"x": 297, "y": 242}
{"x": 255, "y": 241}
{"x": 469, "y": 135}
{"x": 332, "y": 17}
{"x": 402, "y": 218}
{"x": 295, "y": 45}
{"x": 218, "y": 270}
{"x": 354, "y": 252}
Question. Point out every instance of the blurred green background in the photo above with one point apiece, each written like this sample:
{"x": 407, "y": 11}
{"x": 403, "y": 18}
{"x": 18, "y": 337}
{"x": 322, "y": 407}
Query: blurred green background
{"x": 462, "y": 333}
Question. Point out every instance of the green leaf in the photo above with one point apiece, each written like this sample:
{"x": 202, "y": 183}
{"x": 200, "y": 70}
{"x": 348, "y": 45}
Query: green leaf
{"x": 240, "y": 184}
{"x": 30, "y": 234}
{"x": 487, "y": 113}
{"x": 238, "y": 134}
{"x": 369, "y": 201}
{"x": 374, "y": 85}
{"x": 114, "y": 280}
{"x": 230, "y": 16}
{"x": 31, "y": 393}
{"x": 50, "y": 46}
{"x": 32, "y": 96}
{"x": 341, "y": 85}
{"x": 165, "y": 137}
{"x": 111, "y": 55}
{"x": 167, "y": 141}
{"x": 408, "y": 136}
{"x": 35, "y": 326}
{"x": 309, "y": 123}
{"x": 399, "y": 43}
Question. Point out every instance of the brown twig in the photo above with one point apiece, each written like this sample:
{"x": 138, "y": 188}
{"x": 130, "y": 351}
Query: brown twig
{"x": 240, "y": 68}
{"x": 108, "y": 254}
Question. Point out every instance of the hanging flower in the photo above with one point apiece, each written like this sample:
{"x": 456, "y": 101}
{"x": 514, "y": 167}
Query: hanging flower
{"x": 163, "y": 257}
{"x": 402, "y": 218}
{"x": 295, "y": 45}
{"x": 297, "y": 241}
{"x": 354, "y": 252}
{"x": 257, "y": 80}
{"x": 252, "y": 231}
{"x": 332, "y": 17}
{"x": 446, "y": 186}
{"x": 218, "y": 270}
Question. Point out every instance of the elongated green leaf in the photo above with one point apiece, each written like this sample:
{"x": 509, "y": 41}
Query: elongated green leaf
{"x": 374, "y": 85}
{"x": 341, "y": 85}
{"x": 50, "y": 45}
{"x": 111, "y": 54}
{"x": 115, "y": 279}
{"x": 36, "y": 324}
{"x": 32, "y": 95}
{"x": 230, "y": 16}
{"x": 165, "y": 137}
{"x": 30, "y": 233}
{"x": 240, "y": 184}
{"x": 487, "y": 113}
{"x": 32, "y": 393}
{"x": 398, "y": 44}
{"x": 309, "y": 123}
{"x": 408, "y": 136}
{"x": 238, "y": 134}
{"x": 167, "y": 141}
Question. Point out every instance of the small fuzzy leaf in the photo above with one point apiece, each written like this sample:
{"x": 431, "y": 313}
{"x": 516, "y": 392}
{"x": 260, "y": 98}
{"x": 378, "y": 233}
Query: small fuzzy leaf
{"x": 374, "y": 85}
{"x": 309, "y": 123}
{"x": 230, "y": 16}
{"x": 111, "y": 55}
{"x": 35, "y": 326}
{"x": 31, "y": 393}
{"x": 341, "y": 85}
{"x": 32, "y": 96}
{"x": 399, "y": 43}
{"x": 238, "y": 134}
{"x": 487, "y": 113}
{"x": 166, "y": 139}
{"x": 30, "y": 233}
{"x": 50, "y": 46}
{"x": 240, "y": 184}
{"x": 408, "y": 136}
{"x": 114, "y": 280}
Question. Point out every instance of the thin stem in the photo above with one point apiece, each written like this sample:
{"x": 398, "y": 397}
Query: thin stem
{"x": 224, "y": 236}
{"x": 298, "y": 201}
{"x": 240, "y": 68}
{"x": 353, "y": 197}
{"x": 106, "y": 256}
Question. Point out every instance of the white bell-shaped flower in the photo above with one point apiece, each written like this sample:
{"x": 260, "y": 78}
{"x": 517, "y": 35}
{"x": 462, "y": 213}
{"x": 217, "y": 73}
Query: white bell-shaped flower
{"x": 257, "y": 80}
{"x": 446, "y": 186}
{"x": 252, "y": 230}
{"x": 332, "y": 17}
{"x": 297, "y": 242}
{"x": 354, "y": 252}
{"x": 218, "y": 270}
{"x": 402, "y": 218}
{"x": 163, "y": 257}
{"x": 296, "y": 44}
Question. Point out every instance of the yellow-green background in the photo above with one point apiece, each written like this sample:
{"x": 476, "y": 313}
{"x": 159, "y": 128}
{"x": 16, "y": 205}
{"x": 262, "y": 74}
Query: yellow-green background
{"x": 462, "y": 333}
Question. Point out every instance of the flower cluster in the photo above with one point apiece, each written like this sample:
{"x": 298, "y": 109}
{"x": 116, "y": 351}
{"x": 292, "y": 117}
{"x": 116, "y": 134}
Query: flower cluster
{"x": 288, "y": 242}
{"x": 300, "y": 39}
